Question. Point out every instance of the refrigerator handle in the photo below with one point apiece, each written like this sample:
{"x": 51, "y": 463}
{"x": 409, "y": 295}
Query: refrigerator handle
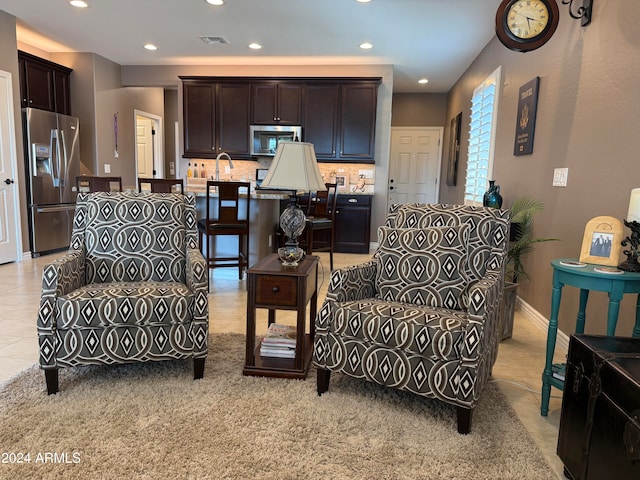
{"x": 63, "y": 161}
{"x": 55, "y": 162}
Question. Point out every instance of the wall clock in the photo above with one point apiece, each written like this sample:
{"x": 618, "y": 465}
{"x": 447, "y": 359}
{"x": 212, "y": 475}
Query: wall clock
{"x": 524, "y": 25}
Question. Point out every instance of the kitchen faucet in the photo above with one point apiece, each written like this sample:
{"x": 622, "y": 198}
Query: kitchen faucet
{"x": 220, "y": 155}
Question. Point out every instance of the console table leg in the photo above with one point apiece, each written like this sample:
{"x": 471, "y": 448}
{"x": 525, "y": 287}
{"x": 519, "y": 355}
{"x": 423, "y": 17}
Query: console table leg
{"x": 551, "y": 347}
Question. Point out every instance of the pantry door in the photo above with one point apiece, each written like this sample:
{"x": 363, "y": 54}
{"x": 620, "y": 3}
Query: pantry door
{"x": 414, "y": 164}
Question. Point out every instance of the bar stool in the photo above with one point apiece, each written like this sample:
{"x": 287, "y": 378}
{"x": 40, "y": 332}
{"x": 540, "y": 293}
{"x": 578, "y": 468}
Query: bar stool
{"x": 88, "y": 183}
{"x": 162, "y": 185}
{"x": 321, "y": 215}
{"x": 228, "y": 219}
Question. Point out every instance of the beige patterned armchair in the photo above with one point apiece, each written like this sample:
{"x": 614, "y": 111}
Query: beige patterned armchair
{"x": 132, "y": 287}
{"x": 422, "y": 315}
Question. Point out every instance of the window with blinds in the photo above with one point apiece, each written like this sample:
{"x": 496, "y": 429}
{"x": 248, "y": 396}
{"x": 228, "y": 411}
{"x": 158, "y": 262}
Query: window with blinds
{"x": 484, "y": 106}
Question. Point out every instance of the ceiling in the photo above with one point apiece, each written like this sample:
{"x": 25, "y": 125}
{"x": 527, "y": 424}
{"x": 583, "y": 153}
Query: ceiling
{"x": 434, "y": 39}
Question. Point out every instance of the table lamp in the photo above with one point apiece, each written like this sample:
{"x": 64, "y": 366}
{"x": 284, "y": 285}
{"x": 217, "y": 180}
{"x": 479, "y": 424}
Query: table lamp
{"x": 633, "y": 241}
{"x": 294, "y": 167}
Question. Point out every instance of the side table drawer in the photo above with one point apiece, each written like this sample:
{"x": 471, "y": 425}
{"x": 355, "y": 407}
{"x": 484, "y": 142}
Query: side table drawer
{"x": 276, "y": 290}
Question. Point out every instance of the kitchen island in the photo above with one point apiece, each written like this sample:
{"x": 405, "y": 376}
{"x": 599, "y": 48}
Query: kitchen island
{"x": 264, "y": 213}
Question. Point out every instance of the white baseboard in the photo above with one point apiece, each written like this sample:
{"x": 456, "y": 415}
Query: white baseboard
{"x": 539, "y": 320}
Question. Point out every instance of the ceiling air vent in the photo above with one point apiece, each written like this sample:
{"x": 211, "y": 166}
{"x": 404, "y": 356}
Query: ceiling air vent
{"x": 214, "y": 40}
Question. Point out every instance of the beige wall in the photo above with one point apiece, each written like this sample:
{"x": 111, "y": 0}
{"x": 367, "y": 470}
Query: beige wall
{"x": 588, "y": 119}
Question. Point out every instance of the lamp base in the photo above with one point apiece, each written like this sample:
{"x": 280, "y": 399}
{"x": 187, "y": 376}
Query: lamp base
{"x": 290, "y": 255}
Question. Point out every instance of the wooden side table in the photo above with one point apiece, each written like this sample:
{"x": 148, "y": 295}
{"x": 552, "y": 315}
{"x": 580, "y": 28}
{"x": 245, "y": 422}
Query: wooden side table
{"x": 274, "y": 287}
{"x": 586, "y": 279}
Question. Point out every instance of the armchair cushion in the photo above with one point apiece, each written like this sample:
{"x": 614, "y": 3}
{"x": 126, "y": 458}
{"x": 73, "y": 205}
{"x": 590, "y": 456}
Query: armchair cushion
{"x": 423, "y": 266}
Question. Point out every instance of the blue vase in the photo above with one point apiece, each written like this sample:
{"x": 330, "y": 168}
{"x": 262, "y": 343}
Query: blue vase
{"x": 492, "y": 197}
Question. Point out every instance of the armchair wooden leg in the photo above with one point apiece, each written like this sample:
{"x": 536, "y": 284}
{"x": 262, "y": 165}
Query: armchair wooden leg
{"x": 464, "y": 419}
{"x": 198, "y": 368}
{"x": 51, "y": 377}
{"x": 323, "y": 380}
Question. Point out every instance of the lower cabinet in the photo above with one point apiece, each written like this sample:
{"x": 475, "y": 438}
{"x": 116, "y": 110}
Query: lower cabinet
{"x": 353, "y": 223}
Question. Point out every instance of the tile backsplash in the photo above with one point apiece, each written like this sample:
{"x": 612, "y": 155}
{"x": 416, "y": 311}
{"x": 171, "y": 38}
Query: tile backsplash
{"x": 357, "y": 177}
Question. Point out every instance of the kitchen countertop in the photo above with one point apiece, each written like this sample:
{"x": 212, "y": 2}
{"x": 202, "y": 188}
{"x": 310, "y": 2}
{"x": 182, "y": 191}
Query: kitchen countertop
{"x": 261, "y": 195}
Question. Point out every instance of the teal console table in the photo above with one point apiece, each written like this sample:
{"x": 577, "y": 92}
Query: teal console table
{"x": 586, "y": 279}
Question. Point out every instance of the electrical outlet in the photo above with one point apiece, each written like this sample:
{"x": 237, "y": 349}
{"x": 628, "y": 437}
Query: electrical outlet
{"x": 107, "y": 168}
{"x": 560, "y": 177}
{"x": 172, "y": 168}
{"x": 227, "y": 169}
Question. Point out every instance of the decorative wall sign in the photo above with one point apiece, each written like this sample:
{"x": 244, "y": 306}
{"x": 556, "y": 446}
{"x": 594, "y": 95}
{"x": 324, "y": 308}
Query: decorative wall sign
{"x": 526, "y": 119}
{"x": 454, "y": 150}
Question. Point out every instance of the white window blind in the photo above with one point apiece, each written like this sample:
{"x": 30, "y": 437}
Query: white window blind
{"x": 484, "y": 105}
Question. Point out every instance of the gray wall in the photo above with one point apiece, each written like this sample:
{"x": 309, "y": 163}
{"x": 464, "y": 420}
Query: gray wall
{"x": 419, "y": 110}
{"x": 588, "y": 118}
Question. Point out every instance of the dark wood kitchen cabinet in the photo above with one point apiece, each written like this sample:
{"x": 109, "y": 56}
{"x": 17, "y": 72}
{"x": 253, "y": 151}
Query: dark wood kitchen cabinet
{"x": 43, "y": 84}
{"x": 277, "y": 103}
{"x": 216, "y": 118}
{"x": 340, "y": 120}
{"x": 353, "y": 223}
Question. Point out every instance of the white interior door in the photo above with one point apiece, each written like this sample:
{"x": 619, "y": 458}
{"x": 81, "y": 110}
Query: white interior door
{"x": 144, "y": 146}
{"x": 414, "y": 164}
{"x": 10, "y": 238}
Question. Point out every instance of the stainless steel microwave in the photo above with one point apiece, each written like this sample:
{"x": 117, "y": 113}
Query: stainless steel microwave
{"x": 265, "y": 138}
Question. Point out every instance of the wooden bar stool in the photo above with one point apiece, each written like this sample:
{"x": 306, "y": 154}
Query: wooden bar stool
{"x": 321, "y": 216}
{"x": 162, "y": 185}
{"x": 88, "y": 183}
{"x": 228, "y": 219}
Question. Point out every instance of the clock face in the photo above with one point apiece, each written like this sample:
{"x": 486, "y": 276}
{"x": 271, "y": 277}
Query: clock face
{"x": 527, "y": 18}
{"x": 524, "y": 25}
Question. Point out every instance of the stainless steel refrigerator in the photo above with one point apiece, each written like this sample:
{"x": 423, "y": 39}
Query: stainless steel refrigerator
{"x": 52, "y": 154}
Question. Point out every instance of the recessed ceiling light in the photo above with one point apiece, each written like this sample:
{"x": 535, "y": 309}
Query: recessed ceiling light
{"x": 150, "y": 46}
{"x": 366, "y": 46}
{"x": 363, "y": 1}
{"x": 215, "y": 2}
{"x": 79, "y": 3}
{"x": 423, "y": 81}
{"x": 255, "y": 46}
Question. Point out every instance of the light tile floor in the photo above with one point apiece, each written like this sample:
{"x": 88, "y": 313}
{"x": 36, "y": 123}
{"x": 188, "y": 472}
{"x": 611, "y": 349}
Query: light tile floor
{"x": 518, "y": 369}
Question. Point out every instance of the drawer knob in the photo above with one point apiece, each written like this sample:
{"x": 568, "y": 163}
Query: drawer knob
{"x": 275, "y": 289}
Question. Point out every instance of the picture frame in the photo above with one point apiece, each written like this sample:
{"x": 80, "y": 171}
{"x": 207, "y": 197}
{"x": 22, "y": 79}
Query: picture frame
{"x": 526, "y": 117}
{"x": 342, "y": 182}
{"x": 601, "y": 243}
{"x": 454, "y": 150}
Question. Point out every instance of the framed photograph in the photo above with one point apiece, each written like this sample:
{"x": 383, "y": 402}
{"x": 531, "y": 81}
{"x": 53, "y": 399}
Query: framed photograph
{"x": 454, "y": 150}
{"x": 342, "y": 181}
{"x": 526, "y": 118}
{"x": 601, "y": 242}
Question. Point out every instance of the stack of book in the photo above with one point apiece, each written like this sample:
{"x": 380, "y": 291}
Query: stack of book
{"x": 279, "y": 341}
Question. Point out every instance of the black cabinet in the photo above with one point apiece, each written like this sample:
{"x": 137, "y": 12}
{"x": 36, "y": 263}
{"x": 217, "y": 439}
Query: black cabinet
{"x": 43, "y": 84}
{"x": 277, "y": 103}
{"x": 338, "y": 115}
{"x": 353, "y": 223}
{"x": 216, "y": 118}
{"x": 340, "y": 120}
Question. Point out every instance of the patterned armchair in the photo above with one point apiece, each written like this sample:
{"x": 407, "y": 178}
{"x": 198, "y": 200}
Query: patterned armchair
{"x": 132, "y": 287}
{"x": 422, "y": 314}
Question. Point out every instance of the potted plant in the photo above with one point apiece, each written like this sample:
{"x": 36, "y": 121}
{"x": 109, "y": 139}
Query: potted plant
{"x": 521, "y": 242}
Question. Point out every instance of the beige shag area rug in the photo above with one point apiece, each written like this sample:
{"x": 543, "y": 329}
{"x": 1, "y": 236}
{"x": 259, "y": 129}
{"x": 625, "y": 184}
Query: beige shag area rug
{"x": 152, "y": 421}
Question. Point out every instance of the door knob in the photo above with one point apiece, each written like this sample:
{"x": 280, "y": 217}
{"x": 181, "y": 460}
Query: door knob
{"x": 8, "y": 181}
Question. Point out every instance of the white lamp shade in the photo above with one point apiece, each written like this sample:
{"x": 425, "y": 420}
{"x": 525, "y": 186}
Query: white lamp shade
{"x": 634, "y": 206}
{"x": 294, "y": 167}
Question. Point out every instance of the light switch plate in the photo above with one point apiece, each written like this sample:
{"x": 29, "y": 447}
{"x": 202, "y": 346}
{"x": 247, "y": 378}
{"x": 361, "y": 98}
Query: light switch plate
{"x": 560, "y": 177}
{"x": 107, "y": 168}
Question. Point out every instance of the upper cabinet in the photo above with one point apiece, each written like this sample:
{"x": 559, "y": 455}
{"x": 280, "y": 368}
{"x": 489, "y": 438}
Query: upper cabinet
{"x": 43, "y": 84}
{"x": 340, "y": 120}
{"x": 277, "y": 103}
{"x": 216, "y": 118}
{"x": 338, "y": 115}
